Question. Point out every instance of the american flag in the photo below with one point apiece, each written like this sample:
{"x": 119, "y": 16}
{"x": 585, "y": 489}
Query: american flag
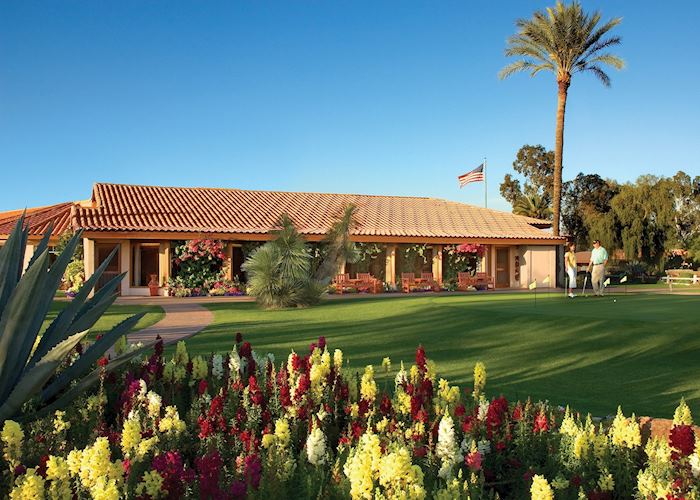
{"x": 476, "y": 175}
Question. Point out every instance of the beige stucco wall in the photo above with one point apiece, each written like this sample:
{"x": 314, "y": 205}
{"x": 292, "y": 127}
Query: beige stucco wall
{"x": 537, "y": 262}
{"x": 90, "y": 259}
{"x": 28, "y": 254}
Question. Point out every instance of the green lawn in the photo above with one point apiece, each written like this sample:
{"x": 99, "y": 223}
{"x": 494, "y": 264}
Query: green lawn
{"x": 114, "y": 315}
{"x": 642, "y": 351}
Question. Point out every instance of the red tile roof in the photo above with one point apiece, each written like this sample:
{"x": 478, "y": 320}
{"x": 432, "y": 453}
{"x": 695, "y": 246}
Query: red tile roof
{"x": 39, "y": 219}
{"x": 120, "y": 207}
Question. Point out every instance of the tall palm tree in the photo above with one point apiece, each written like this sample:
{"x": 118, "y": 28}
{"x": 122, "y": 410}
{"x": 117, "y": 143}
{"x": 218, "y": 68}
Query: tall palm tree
{"x": 532, "y": 205}
{"x": 564, "y": 40}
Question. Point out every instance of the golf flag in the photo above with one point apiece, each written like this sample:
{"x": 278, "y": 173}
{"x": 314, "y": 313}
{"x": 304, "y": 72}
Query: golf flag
{"x": 533, "y": 285}
{"x": 623, "y": 279}
{"x": 476, "y": 175}
{"x": 606, "y": 282}
{"x": 546, "y": 280}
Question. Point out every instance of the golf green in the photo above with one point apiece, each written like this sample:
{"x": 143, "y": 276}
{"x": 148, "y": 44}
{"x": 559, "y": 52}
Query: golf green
{"x": 639, "y": 351}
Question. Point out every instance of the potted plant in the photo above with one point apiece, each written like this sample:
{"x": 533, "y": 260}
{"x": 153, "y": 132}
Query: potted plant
{"x": 153, "y": 285}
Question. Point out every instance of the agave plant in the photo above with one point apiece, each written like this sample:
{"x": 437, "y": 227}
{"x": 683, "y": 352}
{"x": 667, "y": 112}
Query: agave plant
{"x": 29, "y": 359}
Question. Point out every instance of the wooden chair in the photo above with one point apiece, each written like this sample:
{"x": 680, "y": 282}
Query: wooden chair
{"x": 366, "y": 280}
{"x": 430, "y": 280}
{"x": 341, "y": 281}
{"x": 485, "y": 279}
{"x": 464, "y": 281}
{"x": 408, "y": 282}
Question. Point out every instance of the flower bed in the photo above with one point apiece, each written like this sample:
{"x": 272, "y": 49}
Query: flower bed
{"x": 241, "y": 425}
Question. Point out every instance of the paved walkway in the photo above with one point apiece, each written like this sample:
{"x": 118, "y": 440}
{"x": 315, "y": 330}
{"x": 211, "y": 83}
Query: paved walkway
{"x": 182, "y": 320}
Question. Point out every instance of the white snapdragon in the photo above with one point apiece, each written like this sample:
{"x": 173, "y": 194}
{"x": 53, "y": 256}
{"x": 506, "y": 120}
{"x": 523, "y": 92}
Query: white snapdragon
{"x": 234, "y": 363}
{"x": 154, "y": 403}
{"x": 447, "y": 449}
{"x": 483, "y": 409}
{"x": 401, "y": 378}
{"x": 217, "y": 366}
{"x": 483, "y": 447}
{"x": 316, "y": 447}
{"x": 695, "y": 465}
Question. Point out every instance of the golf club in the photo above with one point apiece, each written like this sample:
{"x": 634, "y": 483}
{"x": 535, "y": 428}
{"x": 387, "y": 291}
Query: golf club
{"x": 585, "y": 281}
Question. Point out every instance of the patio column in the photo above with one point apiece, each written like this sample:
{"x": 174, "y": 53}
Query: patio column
{"x": 89, "y": 257}
{"x": 390, "y": 272}
{"x": 437, "y": 263}
{"x": 28, "y": 254}
{"x": 125, "y": 265}
{"x": 163, "y": 262}
{"x": 228, "y": 261}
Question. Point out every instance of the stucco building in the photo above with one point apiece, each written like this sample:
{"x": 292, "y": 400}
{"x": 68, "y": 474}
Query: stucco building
{"x": 145, "y": 221}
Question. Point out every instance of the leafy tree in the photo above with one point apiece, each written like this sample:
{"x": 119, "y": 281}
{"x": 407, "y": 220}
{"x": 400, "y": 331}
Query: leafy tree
{"x": 644, "y": 212}
{"x": 563, "y": 40}
{"x": 532, "y": 205}
{"x": 536, "y": 165}
{"x": 585, "y": 198}
{"x": 685, "y": 192}
{"x": 510, "y": 189}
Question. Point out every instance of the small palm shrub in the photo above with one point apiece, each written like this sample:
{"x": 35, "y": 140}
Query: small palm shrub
{"x": 279, "y": 272}
{"x": 34, "y": 365}
{"x": 285, "y": 272}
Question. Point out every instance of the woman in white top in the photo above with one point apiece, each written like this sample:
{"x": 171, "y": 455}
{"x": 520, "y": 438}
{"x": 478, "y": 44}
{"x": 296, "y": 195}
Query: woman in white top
{"x": 570, "y": 260}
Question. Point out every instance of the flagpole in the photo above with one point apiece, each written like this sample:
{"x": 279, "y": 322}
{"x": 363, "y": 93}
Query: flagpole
{"x": 486, "y": 202}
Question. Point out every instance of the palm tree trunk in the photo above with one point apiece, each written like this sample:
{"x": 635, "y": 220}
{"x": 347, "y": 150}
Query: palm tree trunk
{"x": 558, "y": 153}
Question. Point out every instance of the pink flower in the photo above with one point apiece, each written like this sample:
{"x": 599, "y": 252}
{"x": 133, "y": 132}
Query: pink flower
{"x": 541, "y": 424}
{"x": 473, "y": 461}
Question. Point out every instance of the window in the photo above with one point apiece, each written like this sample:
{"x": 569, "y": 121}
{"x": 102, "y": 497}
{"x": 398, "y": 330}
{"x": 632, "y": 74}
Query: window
{"x": 145, "y": 263}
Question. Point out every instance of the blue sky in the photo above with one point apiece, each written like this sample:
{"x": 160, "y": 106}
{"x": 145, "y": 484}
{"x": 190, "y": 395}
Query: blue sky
{"x": 355, "y": 96}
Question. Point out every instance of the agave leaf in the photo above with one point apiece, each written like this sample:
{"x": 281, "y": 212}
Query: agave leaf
{"x": 43, "y": 245}
{"x": 53, "y": 279}
{"x": 85, "y": 383}
{"x": 34, "y": 379}
{"x": 90, "y": 356}
{"x": 107, "y": 290}
{"x": 90, "y": 317}
{"x": 16, "y": 340}
{"x": 11, "y": 261}
{"x": 59, "y": 327}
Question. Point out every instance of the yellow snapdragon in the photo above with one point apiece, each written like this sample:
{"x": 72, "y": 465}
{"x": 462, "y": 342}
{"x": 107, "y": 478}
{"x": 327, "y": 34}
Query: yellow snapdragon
{"x": 338, "y": 359}
{"x": 282, "y": 431}
{"x": 151, "y": 484}
{"x": 362, "y": 466}
{"x": 386, "y": 364}
{"x": 200, "y": 368}
{"x": 625, "y": 433}
{"x": 12, "y": 438}
{"x": 131, "y": 436}
{"x": 29, "y": 486}
{"x": 682, "y": 415}
{"x": 368, "y": 387}
{"x": 479, "y": 378}
{"x": 540, "y": 489}
{"x": 171, "y": 423}
{"x": 59, "y": 475}
{"x": 60, "y": 425}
